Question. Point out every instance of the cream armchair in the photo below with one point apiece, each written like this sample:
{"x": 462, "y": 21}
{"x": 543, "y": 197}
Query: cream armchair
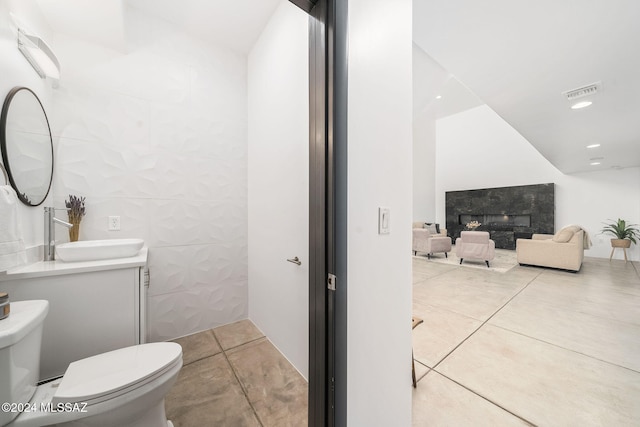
{"x": 476, "y": 245}
{"x": 424, "y": 241}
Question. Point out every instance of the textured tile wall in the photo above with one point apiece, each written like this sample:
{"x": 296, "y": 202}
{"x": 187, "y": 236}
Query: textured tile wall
{"x": 16, "y": 71}
{"x": 157, "y": 134}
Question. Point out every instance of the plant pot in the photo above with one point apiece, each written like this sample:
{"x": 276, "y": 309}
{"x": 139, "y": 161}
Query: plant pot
{"x": 620, "y": 243}
{"x": 74, "y": 232}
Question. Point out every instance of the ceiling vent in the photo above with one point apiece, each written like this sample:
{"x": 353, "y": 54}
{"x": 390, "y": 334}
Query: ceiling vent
{"x": 581, "y": 92}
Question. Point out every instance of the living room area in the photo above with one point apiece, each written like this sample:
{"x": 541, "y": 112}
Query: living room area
{"x": 476, "y": 150}
{"x": 502, "y": 343}
{"x": 526, "y": 345}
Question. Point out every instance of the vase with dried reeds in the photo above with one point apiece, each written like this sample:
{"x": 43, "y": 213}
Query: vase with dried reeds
{"x": 75, "y": 210}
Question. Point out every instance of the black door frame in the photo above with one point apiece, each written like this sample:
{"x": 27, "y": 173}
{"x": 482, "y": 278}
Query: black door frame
{"x": 327, "y": 210}
{"x": 318, "y": 313}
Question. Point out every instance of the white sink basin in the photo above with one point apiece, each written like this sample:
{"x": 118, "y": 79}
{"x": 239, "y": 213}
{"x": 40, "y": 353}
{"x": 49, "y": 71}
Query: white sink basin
{"x": 91, "y": 250}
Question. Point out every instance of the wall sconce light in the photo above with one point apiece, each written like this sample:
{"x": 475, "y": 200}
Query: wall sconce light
{"x": 39, "y": 55}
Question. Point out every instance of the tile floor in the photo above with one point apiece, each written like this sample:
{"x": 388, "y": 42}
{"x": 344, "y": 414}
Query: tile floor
{"x": 531, "y": 346}
{"x": 234, "y": 376}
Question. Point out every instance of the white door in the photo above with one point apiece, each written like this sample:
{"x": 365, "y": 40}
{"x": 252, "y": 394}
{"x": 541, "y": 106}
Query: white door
{"x": 278, "y": 181}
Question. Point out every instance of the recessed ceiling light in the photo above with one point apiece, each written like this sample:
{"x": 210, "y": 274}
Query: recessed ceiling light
{"x": 594, "y": 163}
{"x": 439, "y": 97}
{"x": 593, "y": 146}
{"x": 581, "y": 104}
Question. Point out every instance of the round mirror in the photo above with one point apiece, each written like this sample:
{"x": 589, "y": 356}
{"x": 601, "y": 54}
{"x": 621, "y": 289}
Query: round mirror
{"x": 27, "y": 148}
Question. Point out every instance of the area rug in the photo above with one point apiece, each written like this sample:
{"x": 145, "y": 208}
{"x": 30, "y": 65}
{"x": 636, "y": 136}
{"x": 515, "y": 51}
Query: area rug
{"x": 504, "y": 261}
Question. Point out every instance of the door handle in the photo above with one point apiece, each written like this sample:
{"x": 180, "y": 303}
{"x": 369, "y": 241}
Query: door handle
{"x": 295, "y": 261}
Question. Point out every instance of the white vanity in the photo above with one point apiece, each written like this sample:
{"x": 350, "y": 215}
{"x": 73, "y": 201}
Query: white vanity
{"x": 94, "y": 306}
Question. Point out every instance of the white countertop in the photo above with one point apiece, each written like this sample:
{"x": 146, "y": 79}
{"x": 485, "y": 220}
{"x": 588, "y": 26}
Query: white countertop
{"x": 58, "y": 268}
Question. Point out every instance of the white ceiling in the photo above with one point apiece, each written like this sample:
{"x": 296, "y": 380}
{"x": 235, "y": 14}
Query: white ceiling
{"x": 436, "y": 91}
{"x": 518, "y": 57}
{"x": 232, "y": 23}
{"x": 96, "y": 21}
{"x": 235, "y": 24}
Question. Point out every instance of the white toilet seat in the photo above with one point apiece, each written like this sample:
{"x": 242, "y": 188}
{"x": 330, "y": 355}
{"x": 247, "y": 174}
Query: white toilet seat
{"x": 124, "y": 388}
{"x": 112, "y": 374}
{"x": 140, "y": 405}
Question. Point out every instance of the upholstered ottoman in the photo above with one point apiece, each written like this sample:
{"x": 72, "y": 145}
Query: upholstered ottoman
{"x": 439, "y": 244}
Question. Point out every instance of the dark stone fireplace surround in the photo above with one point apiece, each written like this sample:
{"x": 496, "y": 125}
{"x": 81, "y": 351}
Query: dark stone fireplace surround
{"x": 507, "y": 213}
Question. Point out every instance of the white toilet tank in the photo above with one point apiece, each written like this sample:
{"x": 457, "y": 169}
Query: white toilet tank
{"x": 20, "y": 339}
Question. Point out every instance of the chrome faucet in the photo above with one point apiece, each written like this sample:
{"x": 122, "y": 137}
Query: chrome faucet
{"x": 50, "y": 232}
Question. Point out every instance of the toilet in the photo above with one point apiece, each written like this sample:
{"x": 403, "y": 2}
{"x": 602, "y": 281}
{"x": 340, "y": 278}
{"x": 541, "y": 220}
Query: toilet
{"x": 124, "y": 387}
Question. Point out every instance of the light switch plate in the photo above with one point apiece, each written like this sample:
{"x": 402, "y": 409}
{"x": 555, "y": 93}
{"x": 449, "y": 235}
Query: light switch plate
{"x": 114, "y": 223}
{"x": 384, "y": 220}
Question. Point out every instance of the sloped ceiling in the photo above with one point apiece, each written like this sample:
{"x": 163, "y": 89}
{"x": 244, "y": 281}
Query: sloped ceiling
{"x": 519, "y": 57}
{"x": 235, "y": 24}
{"x": 437, "y": 91}
{"x": 97, "y": 21}
{"x": 232, "y": 23}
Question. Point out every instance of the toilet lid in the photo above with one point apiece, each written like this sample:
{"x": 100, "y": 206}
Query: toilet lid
{"x": 94, "y": 377}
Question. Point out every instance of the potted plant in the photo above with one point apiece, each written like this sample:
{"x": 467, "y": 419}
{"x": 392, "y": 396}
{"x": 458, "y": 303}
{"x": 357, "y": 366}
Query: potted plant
{"x": 625, "y": 233}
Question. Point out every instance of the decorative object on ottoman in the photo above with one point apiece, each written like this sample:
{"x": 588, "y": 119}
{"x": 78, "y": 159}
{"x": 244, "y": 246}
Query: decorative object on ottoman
{"x": 475, "y": 244}
{"x": 625, "y": 235}
{"x": 563, "y": 250}
{"x": 473, "y": 225}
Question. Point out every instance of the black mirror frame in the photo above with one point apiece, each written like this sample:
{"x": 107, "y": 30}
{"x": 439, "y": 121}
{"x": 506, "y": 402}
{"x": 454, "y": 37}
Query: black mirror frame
{"x": 3, "y": 144}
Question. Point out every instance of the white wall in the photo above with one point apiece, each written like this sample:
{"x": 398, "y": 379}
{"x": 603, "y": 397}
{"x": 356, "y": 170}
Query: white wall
{"x": 156, "y": 134}
{"x": 426, "y": 81}
{"x": 478, "y": 149}
{"x": 16, "y": 71}
{"x": 424, "y": 167}
{"x": 278, "y": 73}
{"x": 379, "y": 163}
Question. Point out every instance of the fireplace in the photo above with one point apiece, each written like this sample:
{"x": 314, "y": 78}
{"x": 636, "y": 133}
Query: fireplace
{"x": 507, "y": 213}
{"x": 497, "y": 221}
